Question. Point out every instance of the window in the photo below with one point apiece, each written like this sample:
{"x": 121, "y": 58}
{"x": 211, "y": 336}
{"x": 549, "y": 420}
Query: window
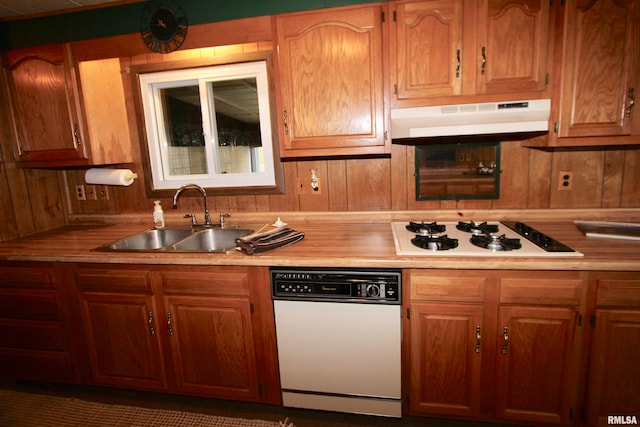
{"x": 458, "y": 171}
{"x": 209, "y": 126}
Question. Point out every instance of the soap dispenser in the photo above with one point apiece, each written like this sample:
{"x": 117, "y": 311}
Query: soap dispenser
{"x": 158, "y": 215}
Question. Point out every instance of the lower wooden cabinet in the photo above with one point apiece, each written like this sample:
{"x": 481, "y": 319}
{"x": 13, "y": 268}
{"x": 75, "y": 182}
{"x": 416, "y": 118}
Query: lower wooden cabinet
{"x": 34, "y": 325}
{"x": 218, "y": 360}
{"x": 444, "y": 328}
{"x": 533, "y": 347}
{"x": 123, "y": 348}
{"x": 614, "y": 371}
{"x": 493, "y": 345}
{"x": 187, "y": 330}
{"x": 536, "y": 357}
{"x": 209, "y": 323}
{"x": 445, "y": 362}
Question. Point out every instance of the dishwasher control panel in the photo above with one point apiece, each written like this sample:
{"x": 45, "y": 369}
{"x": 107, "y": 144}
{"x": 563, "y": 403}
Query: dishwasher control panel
{"x": 367, "y": 286}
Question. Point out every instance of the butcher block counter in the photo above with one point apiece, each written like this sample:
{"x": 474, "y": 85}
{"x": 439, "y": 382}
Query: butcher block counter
{"x": 330, "y": 243}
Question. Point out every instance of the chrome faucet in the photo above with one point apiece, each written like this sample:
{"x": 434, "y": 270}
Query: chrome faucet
{"x": 207, "y": 218}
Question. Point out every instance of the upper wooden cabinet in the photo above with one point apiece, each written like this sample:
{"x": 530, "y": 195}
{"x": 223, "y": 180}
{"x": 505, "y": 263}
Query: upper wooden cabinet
{"x": 330, "y": 82}
{"x": 598, "y": 62}
{"x": 441, "y": 50}
{"x": 66, "y": 113}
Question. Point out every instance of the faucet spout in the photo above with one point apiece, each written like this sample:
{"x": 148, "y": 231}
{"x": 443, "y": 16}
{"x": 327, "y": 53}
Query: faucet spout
{"x": 207, "y": 217}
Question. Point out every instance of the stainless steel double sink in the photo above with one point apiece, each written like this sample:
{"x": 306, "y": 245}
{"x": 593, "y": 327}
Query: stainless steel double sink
{"x": 214, "y": 239}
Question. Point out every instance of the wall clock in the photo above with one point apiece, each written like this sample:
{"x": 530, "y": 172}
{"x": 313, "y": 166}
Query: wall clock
{"x": 163, "y": 25}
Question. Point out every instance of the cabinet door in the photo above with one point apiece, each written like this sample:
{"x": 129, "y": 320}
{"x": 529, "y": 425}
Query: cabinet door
{"x": 512, "y": 46}
{"x": 445, "y": 352}
{"x": 426, "y": 53}
{"x": 212, "y": 346}
{"x": 614, "y": 370}
{"x": 331, "y": 87}
{"x": 535, "y": 356}
{"x": 43, "y": 98}
{"x": 600, "y": 71}
{"x": 122, "y": 339}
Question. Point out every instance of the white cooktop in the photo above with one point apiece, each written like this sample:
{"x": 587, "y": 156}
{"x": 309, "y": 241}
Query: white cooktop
{"x": 402, "y": 239}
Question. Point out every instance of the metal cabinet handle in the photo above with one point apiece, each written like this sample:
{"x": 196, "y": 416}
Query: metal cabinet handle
{"x": 478, "y": 339}
{"x": 484, "y": 60}
{"x": 458, "y": 59}
{"x": 505, "y": 336}
{"x": 285, "y": 121}
{"x": 76, "y": 134}
{"x": 152, "y": 330}
{"x": 632, "y": 102}
{"x": 169, "y": 324}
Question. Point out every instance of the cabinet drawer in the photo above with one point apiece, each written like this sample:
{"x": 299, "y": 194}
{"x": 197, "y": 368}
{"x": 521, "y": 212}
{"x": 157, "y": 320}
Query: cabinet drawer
{"x": 36, "y": 365}
{"x": 34, "y": 335}
{"x": 26, "y": 277}
{"x": 448, "y": 286}
{"x": 618, "y": 292}
{"x": 111, "y": 279}
{"x": 211, "y": 281}
{"x": 545, "y": 291}
{"x": 29, "y": 305}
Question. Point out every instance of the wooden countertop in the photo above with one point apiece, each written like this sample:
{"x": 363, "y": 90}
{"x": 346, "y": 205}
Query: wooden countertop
{"x": 325, "y": 245}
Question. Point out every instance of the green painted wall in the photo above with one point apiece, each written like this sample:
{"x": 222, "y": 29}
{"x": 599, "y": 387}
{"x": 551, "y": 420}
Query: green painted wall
{"x": 116, "y": 20}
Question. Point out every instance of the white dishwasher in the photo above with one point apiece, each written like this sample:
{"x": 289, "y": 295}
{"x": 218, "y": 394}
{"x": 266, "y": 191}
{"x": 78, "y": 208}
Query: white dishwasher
{"x": 339, "y": 335}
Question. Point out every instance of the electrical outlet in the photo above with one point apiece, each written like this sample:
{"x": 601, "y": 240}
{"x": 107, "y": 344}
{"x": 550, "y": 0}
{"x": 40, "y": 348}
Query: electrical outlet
{"x": 103, "y": 192}
{"x": 92, "y": 192}
{"x": 301, "y": 186}
{"x": 80, "y": 194}
{"x": 565, "y": 180}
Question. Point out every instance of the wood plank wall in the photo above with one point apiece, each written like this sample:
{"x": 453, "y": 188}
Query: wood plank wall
{"x": 601, "y": 179}
{"x": 37, "y": 200}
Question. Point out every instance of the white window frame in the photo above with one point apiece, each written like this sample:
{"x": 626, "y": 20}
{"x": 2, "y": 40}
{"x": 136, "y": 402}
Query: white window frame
{"x": 150, "y": 85}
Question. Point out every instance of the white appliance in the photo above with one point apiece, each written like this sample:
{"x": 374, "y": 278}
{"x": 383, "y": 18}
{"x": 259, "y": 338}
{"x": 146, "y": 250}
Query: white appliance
{"x": 339, "y": 338}
{"x": 493, "y": 239}
{"x": 471, "y": 119}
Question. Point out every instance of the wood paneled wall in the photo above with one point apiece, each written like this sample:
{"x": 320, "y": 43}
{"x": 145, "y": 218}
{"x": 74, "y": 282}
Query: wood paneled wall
{"x": 530, "y": 180}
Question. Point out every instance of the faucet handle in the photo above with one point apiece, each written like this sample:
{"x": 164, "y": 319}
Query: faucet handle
{"x": 193, "y": 218}
{"x": 222, "y": 217}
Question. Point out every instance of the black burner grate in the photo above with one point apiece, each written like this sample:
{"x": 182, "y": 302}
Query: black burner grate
{"x": 435, "y": 243}
{"x": 477, "y": 227}
{"x": 426, "y": 228}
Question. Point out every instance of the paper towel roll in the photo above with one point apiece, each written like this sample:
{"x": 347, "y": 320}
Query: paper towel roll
{"x": 110, "y": 176}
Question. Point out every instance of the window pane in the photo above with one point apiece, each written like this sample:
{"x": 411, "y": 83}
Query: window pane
{"x": 237, "y": 120}
{"x": 183, "y": 127}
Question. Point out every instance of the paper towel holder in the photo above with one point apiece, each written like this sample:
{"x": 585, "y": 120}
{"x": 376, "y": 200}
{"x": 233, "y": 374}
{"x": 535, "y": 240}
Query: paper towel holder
{"x": 124, "y": 177}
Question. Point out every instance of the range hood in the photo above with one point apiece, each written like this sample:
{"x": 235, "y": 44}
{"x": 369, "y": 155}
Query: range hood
{"x": 471, "y": 119}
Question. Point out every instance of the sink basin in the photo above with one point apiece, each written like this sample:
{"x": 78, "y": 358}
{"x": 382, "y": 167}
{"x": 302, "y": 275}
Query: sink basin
{"x": 211, "y": 240}
{"x": 179, "y": 240}
{"x": 148, "y": 240}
